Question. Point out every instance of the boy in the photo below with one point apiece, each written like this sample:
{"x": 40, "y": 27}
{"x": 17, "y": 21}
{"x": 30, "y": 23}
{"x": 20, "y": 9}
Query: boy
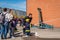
{"x": 26, "y": 29}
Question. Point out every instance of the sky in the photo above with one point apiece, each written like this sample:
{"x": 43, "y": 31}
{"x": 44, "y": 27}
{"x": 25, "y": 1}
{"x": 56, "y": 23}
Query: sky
{"x": 13, "y": 4}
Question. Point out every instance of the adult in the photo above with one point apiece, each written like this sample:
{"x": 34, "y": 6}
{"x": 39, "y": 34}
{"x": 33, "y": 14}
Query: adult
{"x": 5, "y": 25}
{"x": 1, "y": 24}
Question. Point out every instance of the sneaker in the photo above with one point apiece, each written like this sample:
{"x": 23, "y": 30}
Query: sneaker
{"x": 25, "y": 36}
{"x": 13, "y": 37}
{"x": 9, "y": 37}
{"x": 1, "y": 37}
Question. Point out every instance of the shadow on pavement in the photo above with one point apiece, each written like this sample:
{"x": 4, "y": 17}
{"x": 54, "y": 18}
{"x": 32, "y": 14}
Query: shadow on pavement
{"x": 18, "y": 34}
{"x": 37, "y": 38}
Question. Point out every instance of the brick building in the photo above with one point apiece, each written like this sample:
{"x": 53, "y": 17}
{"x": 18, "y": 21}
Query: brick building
{"x": 50, "y": 11}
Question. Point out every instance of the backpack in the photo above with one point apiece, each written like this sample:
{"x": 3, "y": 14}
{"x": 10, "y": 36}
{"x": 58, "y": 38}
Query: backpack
{"x": 1, "y": 18}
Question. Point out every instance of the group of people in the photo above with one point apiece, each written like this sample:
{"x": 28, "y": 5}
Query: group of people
{"x": 8, "y": 24}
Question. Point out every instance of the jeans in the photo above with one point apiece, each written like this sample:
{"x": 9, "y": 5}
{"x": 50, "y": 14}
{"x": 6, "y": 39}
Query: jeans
{"x": 5, "y": 30}
{"x": 1, "y": 25}
{"x": 11, "y": 32}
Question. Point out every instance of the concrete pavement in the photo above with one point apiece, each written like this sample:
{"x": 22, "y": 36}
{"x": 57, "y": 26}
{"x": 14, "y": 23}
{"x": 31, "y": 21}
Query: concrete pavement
{"x": 47, "y": 33}
{"x": 42, "y": 34}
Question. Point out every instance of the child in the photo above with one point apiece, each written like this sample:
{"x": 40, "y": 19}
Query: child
{"x": 27, "y": 22}
{"x": 27, "y": 27}
{"x": 12, "y": 23}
